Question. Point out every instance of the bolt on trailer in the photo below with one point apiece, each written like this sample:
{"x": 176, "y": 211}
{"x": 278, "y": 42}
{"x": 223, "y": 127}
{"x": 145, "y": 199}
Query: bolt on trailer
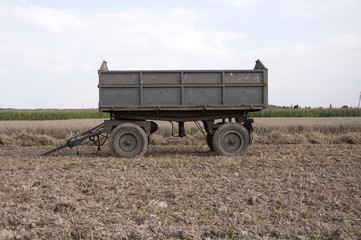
{"x": 220, "y": 99}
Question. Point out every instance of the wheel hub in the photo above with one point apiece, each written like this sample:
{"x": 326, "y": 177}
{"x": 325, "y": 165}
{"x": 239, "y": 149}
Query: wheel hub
{"x": 232, "y": 141}
{"x": 128, "y": 142}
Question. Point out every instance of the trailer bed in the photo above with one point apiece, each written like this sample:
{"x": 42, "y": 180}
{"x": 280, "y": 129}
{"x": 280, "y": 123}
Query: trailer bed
{"x": 162, "y": 92}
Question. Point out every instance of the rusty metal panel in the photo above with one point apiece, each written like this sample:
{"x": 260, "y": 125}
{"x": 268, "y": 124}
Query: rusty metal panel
{"x": 123, "y": 78}
{"x": 243, "y": 96}
{"x": 158, "y": 78}
{"x": 243, "y": 77}
{"x": 120, "y": 97}
{"x": 202, "y": 77}
{"x": 161, "y": 96}
{"x": 203, "y": 96}
{"x": 183, "y": 90}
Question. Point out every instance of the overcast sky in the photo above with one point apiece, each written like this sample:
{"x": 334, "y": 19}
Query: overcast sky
{"x": 50, "y": 51}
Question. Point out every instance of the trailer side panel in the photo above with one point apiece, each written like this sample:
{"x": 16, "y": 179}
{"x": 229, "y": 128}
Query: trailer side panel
{"x": 183, "y": 90}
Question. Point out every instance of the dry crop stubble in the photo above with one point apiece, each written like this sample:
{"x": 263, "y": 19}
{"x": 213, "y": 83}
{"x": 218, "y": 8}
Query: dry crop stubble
{"x": 43, "y": 133}
{"x": 266, "y": 130}
{"x": 183, "y": 192}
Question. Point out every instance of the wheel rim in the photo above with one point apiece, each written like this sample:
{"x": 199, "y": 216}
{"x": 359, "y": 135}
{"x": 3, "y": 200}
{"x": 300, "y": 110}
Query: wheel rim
{"x": 128, "y": 142}
{"x": 232, "y": 141}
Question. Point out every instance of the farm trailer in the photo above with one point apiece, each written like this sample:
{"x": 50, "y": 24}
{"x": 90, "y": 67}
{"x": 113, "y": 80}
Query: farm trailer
{"x": 220, "y": 99}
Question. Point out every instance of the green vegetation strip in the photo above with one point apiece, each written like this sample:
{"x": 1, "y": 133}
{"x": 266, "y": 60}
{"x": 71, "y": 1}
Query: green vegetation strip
{"x": 312, "y": 112}
{"x": 10, "y": 115}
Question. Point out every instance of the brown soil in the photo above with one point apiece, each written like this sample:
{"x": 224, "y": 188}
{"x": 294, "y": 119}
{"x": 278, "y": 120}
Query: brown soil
{"x": 180, "y": 190}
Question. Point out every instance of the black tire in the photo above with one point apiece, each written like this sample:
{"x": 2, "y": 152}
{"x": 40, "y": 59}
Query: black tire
{"x": 210, "y": 136}
{"x": 128, "y": 140}
{"x": 231, "y": 139}
{"x": 210, "y": 142}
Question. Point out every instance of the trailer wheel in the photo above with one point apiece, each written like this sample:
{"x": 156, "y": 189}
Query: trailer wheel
{"x": 231, "y": 139}
{"x": 210, "y": 141}
{"x": 128, "y": 140}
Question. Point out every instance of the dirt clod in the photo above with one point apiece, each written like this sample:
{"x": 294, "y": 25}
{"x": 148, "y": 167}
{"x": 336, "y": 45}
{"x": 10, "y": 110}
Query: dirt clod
{"x": 7, "y": 234}
{"x": 252, "y": 200}
{"x": 162, "y": 205}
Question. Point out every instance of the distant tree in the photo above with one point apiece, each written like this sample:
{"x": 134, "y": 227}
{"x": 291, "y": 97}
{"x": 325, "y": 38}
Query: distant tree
{"x": 344, "y": 106}
{"x": 296, "y": 106}
{"x": 330, "y": 105}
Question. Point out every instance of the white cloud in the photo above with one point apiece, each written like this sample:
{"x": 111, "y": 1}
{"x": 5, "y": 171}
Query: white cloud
{"x": 3, "y": 73}
{"x": 42, "y": 67}
{"x": 236, "y": 3}
{"x": 60, "y": 50}
{"x": 293, "y": 10}
{"x": 172, "y": 32}
{"x": 337, "y": 4}
{"x": 345, "y": 42}
{"x": 315, "y": 75}
{"x": 63, "y": 35}
{"x": 56, "y": 52}
{"x": 52, "y": 20}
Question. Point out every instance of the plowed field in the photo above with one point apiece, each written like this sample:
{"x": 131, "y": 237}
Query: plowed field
{"x": 181, "y": 190}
